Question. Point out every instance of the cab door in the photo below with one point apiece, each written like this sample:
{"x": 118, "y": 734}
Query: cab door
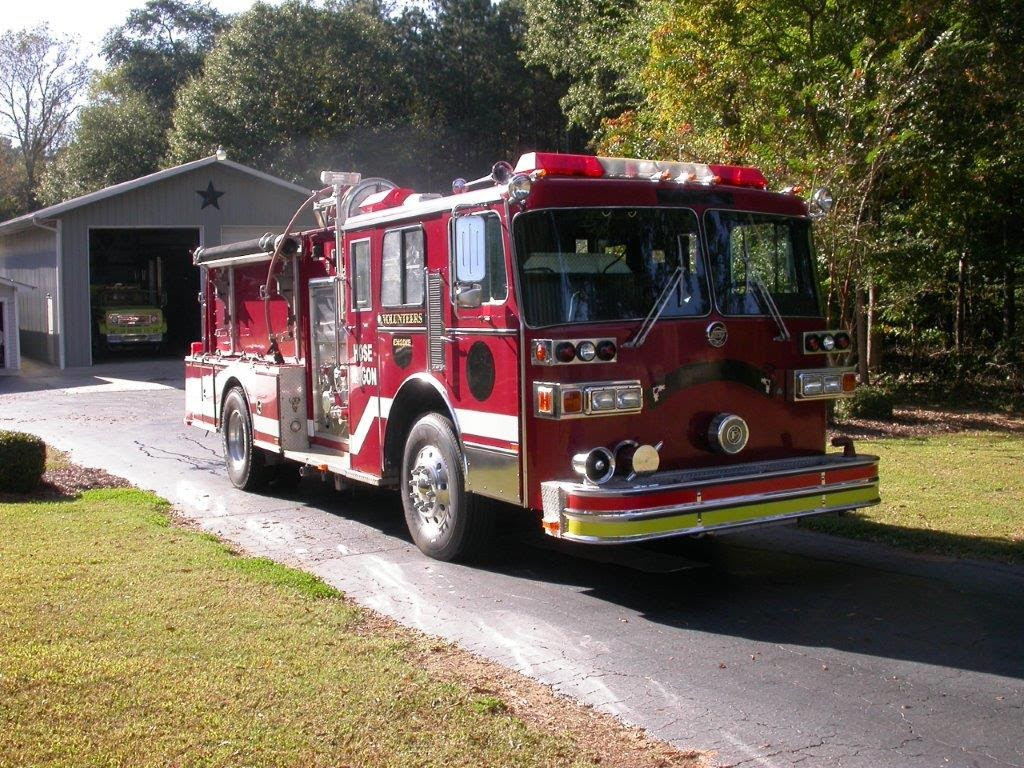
{"x": 486, "y": 354}
{"x": 364, "y": 408}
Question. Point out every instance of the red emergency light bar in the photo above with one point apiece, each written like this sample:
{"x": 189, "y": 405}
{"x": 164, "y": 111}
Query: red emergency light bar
{"x": 591, "y": 166}
{"x": 389, "y": 198}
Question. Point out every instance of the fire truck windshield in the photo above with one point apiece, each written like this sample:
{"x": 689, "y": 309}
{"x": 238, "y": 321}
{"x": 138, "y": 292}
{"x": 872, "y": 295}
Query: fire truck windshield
{"x": 594, "y": 264}
{"x": 757, "y": 256}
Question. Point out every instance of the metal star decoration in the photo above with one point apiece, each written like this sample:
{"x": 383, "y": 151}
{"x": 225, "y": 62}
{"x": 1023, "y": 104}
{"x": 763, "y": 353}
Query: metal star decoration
{"x": 210, "y": 196}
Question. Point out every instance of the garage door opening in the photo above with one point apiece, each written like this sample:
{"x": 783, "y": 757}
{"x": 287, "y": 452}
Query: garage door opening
{"x": 143, "y": 290}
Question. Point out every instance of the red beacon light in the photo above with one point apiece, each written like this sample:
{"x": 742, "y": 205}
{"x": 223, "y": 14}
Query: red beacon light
{"x": 389, "y": 198}
{"x": 555, "y": 164}
{"x": 591, "y": 166}
{"x": 739, "y": 176}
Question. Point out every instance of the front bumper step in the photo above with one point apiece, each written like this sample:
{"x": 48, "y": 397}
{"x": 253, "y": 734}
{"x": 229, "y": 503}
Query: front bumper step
{"x": 686, "y": 502}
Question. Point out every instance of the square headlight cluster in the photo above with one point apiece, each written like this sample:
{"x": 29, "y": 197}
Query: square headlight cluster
{"x": 824, "y": 383}
{"x": 623, "y": 398}
{"x": 569, "y": 401}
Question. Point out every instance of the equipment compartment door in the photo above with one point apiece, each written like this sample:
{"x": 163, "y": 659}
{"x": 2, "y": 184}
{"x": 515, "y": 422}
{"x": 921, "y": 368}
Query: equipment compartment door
{"x": 329, "y": 361}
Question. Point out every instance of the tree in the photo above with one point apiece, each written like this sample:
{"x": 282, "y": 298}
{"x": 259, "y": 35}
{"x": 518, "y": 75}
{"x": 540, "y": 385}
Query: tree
{"x": 161, "y": 45}
{"x": 912, "y": 115}
{"x": 597, "y": 47}
{"x": 11, "y": 182}
{"x": 120, "y": 135}
{"x": 476, "y": 100}
{"x": 295, "y": 88}
{"x": 41, "y": 78}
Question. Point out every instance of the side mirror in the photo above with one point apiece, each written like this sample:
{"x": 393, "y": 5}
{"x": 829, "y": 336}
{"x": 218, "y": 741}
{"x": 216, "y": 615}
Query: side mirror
{"x": 470, "y": 249}
{"x": 821, "y": 203}
{"x": 469, "y": 295}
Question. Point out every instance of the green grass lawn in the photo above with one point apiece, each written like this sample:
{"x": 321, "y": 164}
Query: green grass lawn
{"x": 125, "y": 640}
{"x": 959, "y": 495}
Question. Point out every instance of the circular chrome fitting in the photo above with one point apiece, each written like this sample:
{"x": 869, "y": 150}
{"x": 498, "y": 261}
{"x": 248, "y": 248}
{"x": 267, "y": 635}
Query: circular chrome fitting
{"x": 728, "y": 433}
{"x": 597, "y": 466}
{"x": 717, "y": 334}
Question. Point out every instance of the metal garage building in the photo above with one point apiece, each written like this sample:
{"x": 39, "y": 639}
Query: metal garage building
{"x": 10, "y": 354}
{"x": 140, "y": 232}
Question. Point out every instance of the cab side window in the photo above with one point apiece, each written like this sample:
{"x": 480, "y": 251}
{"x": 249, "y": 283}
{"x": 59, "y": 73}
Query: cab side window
{"x": 360, "y": 274}
{"x": 495, "y": 282}
{"x": 402, "y": 268}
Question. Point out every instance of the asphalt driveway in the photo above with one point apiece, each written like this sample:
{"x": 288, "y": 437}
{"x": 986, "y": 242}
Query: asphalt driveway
{"x": 785, "y": 648}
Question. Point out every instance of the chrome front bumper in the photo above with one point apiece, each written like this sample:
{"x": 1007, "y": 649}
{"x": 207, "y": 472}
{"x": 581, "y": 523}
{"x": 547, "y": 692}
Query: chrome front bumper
{"x": 676, "y": 503}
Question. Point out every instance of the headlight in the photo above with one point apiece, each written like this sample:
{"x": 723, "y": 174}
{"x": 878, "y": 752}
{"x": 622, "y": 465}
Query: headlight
{"x": 810, "y": 384}
{"x": 628, "y": 398}
{"x": 602, "y": 399}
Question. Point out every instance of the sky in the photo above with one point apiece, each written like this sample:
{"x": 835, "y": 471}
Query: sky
{"x": 85, "y": 19}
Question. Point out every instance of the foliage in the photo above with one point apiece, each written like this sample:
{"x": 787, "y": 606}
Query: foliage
{"x": 161, "y": 45}
{"x": 433, "y": 93}
{"x": 41, "y": 77}
{"x": 866, "y": 403}
{"x": 22, "y": 461}
{"x": 475, "y": 101}
{"x": 912, "y": 115}
{"x": 272, "y": 99}
{"x": 121, "y": 132}
{"x": 597, "y": 46}
{"x": 120, "y": 135}
{"x": 12, "y": 181}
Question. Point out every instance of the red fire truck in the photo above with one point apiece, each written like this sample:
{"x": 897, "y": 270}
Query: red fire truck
{"x": 634, "y": 349}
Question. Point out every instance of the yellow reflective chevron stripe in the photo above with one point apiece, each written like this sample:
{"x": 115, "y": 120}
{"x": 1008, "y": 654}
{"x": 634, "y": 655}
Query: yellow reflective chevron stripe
{"x": 602, "y": 528}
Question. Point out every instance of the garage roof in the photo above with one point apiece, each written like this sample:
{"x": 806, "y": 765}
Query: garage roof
{"x": 31, "y": 219}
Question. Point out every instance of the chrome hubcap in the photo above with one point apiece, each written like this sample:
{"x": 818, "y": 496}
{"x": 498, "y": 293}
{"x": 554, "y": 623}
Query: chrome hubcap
{"x": 235, "y": 439}
{"x": 428, "y": 491}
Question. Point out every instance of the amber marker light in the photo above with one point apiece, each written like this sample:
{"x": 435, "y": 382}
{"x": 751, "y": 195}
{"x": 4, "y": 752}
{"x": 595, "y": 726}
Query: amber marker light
{"x": 849, "y": 382}
{"x": 545, "y": 400}
{"x": 572, "y": 401}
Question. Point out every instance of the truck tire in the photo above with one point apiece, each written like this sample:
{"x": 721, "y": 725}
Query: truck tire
{"x": 446, "y": 522}
{"x": 247, "y": 468}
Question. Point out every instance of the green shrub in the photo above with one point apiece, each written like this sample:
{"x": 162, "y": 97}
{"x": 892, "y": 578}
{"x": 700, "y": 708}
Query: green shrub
{"x": 22, "y": 461}
{"x": 867, "y": 403}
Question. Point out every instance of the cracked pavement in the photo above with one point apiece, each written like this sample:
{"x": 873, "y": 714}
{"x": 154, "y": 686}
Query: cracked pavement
{"x": 776, "y": 647}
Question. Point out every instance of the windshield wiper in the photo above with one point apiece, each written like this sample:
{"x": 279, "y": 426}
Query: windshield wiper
{"x": 656, "y": 309}
{"x": 772, "y": 307}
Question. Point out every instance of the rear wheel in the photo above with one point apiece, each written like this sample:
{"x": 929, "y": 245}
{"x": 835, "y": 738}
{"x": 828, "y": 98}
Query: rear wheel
{"x": 446, "y": 522}
{"x": 247, "y": 468}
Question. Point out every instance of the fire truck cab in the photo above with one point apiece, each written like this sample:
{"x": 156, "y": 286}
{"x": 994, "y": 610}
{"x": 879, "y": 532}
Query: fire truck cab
{"x": 634, "y": 349}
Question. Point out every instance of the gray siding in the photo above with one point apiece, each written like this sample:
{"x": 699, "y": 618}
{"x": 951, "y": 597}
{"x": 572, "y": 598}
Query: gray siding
{"x": 9, "y": 307}
{"x": 30, "y": 256}
{"x": 172, "y": 202}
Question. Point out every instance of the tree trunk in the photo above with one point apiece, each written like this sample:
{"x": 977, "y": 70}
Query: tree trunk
{"x": 860, "y": 316}
{"x": 874, "y": 351}
{"x": 1009, "y": 299}
{"x": 961, "y": 305}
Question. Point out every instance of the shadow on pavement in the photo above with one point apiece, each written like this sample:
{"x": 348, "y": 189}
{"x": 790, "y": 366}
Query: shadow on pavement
{"x": 787, "y": 586}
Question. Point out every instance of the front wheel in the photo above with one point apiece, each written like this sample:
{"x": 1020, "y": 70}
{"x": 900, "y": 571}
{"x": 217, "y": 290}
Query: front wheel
{"x": 247, "y": 467}
{"x": 446, "y": 522}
